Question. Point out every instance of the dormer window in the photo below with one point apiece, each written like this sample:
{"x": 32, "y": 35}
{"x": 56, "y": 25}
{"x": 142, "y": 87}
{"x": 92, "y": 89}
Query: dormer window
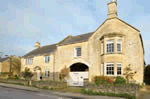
{"x": 47, "y": 59}
{"x": 110, "y": 46}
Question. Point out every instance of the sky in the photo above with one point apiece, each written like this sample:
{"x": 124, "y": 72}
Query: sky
{"x": 23, "y": 22}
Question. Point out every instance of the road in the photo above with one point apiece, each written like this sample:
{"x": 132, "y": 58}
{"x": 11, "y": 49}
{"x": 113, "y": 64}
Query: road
{"x": 10, "y": 93}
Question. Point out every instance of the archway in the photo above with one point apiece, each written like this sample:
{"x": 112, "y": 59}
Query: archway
{"x": 78, "y": 67}
{"x": 78, "y": 73}
{"x": 37, "y": 72}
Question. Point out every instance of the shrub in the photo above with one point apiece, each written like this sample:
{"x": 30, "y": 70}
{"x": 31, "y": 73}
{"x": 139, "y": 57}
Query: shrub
{"x": 17, "y": 77}
{"x": 120, "y": 80}
{"x": 44, "y": 87}
{"x": 102, "y": 80}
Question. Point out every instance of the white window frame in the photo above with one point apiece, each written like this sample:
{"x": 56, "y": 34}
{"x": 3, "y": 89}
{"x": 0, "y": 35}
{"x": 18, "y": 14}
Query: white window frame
{"x": 29, "y": 61}
{"x": 47, "y": 59}
{"x": 119, "y": 41}
{"x": 110, "y": 42}
{"x": 121, "y": 69}
{"x": 106, "y": 69}
{"x": 75, "y": 52}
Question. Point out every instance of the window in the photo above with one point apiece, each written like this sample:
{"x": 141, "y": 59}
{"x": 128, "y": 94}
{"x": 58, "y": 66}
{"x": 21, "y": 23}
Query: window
{"x": 46, "y": 73}
{"x": 77, "y": 51}
{"x": 110, "y": 46}
{"x": 47, "y": 59}
{"x": 102, "y": 48}
{"x": 28, "y": 61}
{"x": 119, "y": 69}
{"x": 110, "y": 69}
{"x": 119, "y": 45}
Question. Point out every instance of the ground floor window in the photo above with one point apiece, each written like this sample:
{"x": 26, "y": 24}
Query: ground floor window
{"x": 110, "y": 68}
{"x": 119, "y": 68}
{"x": 46, "y": 73}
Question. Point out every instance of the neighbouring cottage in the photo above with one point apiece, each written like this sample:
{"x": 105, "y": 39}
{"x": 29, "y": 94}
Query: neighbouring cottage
{"x": 107, "y": 51}
{"x": 5, "y": 63}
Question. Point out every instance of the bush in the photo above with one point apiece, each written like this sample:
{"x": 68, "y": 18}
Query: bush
{"x": 44, "y": 87}
{"x": 120, "y": 80}
{"x": 102, "y": 80}
{"x": 17, "y": 77}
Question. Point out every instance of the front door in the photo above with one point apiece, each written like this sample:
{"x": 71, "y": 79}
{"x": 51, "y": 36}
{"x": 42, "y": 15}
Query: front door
{"x": 38, "y": 74}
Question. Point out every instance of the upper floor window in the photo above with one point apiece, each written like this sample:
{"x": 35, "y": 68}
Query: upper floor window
{"x": 110, "y": 46}
{"x": 119, "y": 69}
{"x": 28, "y": 61}
{"x": 119, "y": 42}
{"x": 77, "y": 51}
{"x": 47, "y": 59}
{"x": 110, "y": 68}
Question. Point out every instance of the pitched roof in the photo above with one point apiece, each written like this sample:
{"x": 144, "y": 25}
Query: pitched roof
{"x": 41, "y": 50}
{"x": 75, "y": 39}
{"x": 3, "y": 59}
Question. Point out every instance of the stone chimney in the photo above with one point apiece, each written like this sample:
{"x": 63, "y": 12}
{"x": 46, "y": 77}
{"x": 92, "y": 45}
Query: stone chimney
{"x": 37, "y": 45}
{"x": 112, "y": 9}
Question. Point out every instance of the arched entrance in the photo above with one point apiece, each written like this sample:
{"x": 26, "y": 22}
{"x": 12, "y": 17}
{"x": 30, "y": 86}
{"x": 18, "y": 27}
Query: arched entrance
{"x": 37, "y": 73}
{"x": 78, "y": 72}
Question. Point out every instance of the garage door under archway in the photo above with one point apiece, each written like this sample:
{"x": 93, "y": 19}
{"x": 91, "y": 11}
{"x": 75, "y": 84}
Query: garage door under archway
{"x": 78, "y": 72}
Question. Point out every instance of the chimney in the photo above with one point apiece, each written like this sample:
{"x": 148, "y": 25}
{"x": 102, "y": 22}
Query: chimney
{"x": 112, "y": 9}
{"x": 37, "y": 45}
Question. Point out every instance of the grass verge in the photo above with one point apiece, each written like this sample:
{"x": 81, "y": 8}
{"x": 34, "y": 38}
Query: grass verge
{"x": 90, "y": 92}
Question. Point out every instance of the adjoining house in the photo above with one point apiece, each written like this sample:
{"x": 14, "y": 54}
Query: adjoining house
{"x": 5, "y": 63}
{"x": 106, "y": 51}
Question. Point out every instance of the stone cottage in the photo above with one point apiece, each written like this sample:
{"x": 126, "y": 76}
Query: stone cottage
{"x": 106, "y": 51}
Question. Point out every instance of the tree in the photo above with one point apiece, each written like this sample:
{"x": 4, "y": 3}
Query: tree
{"x": 64, "y": 73}
{"x": 129, "y": 73}
{"x": 147, "y": 74}
{"x": 27, "y": 74}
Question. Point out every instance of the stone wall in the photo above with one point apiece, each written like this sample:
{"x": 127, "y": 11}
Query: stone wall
{"x": 118, "y": 89}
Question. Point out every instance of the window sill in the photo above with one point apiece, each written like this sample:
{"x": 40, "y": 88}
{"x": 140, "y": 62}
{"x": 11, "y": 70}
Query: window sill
{"x": 111, "y": 53}
{"x": 77, "y": 56}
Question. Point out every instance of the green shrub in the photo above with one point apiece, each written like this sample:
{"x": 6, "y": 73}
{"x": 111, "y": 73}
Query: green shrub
{"x": 120, "y": 80}
{"x": 17, "y": 77}
{"x": 44, "y": 87}
{"x": 102, "y": 80}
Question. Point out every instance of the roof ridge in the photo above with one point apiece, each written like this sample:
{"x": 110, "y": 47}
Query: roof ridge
{"x": 84, "y": 34}
{"x": 49, "y": 44}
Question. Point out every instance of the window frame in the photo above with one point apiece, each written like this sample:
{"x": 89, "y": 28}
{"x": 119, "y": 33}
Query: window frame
{"x": 119, "y": 42}
{"x": 47, "y": 73}
{"x": 28, "y": 61}
{"x": 111, "y": 42}
{"x": 47, "y": 60}
{"x": 120, "y": 70}
{"x": 76, "y": 51}
{"x": 106, "y": 69}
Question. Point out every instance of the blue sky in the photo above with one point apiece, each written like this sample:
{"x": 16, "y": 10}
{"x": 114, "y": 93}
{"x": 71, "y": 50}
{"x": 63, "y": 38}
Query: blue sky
{"x": 23, "y": 22}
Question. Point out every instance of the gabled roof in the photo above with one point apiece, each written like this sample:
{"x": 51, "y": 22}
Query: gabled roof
{"x": 42, "y": 50}
{"x": 3, "y": 59}
{"x": 75, "y": 39}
